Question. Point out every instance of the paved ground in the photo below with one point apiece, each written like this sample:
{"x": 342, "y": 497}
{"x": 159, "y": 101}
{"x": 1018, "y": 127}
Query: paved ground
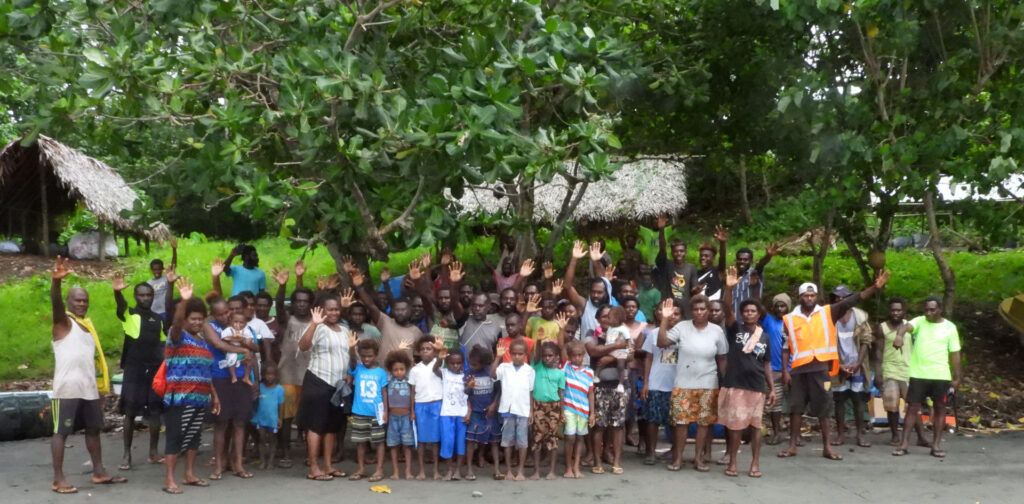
{"x": 984, "y": 469}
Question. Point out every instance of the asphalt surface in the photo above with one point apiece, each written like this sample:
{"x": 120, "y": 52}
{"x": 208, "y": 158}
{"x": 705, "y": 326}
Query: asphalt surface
{"x": 978, "y": 469}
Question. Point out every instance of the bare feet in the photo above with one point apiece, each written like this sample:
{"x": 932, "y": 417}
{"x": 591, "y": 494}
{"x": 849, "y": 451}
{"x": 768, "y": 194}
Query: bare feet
{"x": 447, "y": 476}
{"x": 536, "y": 475}
{"x": 509, "y": 476}
{"x": 551, "y": 476}
{"x": 437, "y": 476}
{"x": 394, "y": 476}
{"x": 519, "y": 476}
{"x": 788, "y": 452}
{"x": 421, "y": 476}
{"x": 569, "y": 474}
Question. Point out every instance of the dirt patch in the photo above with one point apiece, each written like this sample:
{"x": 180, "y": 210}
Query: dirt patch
{"x": 15, "y": 267}
{"x": 992, "y": 395}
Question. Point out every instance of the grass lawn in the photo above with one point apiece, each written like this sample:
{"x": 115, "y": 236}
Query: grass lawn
{"x": 982, "y": 280}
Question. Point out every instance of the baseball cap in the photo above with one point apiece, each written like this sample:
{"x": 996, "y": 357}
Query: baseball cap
{"x": 807, "y": 287}
{"x": 842, "y": 291}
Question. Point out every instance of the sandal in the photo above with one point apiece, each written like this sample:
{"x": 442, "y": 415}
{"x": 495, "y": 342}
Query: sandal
{"x": 375, "y": 478}
{"x": 112, "y": 480}
{"x": 70, "y": 489}
{"x": 650, "y": 461}
{"x": 499, "y": 477}
{"x": 832, "y": 456}
{"x": 701, "y": 468}
{"x": 124, "y": 467}
{"x": 172, "y": 491}
{"x": 674, "y": 468}
{"x": 337, "y": 473}
{"x": 284, "y": 463}
{"x": 320, "y": 477}
{"x": 470, "y": 477}
{"x": 354, "y": 477}
{"x": 217, "y": 476}
{"x": 754, "y": 474}
{"x": 787, "y": 454}
{"x": 617, "y": 470}
{"x": 198, "y": 483}
{"x": 899, "y": 452}
{"x": 732, "y": 473}
{"x": 243, "y": 474}
{"x": 864, "y": 444}
{"x": 597, "y": 469}
{"x": 938, "y": 453}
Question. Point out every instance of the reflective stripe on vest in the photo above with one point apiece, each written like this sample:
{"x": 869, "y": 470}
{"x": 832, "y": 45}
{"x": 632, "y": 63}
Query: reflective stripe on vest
{"x": 132, "y": 326}
{"x": 818, "y": 337}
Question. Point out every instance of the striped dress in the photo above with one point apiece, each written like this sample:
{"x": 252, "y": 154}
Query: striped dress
{"x": 189, "y": 370}
{"x": 578, "y": 381}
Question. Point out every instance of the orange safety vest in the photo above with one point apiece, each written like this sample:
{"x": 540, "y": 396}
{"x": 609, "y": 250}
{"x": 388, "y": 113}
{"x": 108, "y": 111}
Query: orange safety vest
{"x": 812, "y": 338}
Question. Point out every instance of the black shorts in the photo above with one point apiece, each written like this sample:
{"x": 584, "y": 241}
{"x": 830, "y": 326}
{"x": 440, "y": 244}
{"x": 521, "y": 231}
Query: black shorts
{"x": 137, "y": 396}
{"x": 236, "y": 401}
{"x": 920, "y": 389}
{"x": 807, "y": 393}
{"x": 73, "y": 415}
{"x": 184, "y": 426}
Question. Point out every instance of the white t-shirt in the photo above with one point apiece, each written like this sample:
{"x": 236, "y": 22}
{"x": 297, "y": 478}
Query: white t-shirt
{"x": 516, "y": 388}
{"x": 455, "y": 402}
{"x": 160, "y": 286}
{"x": 614, "y": 335}
{"x": 696, "y": 367}
{"x": 428, "y": 384}
{"x": 258, "y": 330}
{"x": 232, "y": 358}
{"x": 663, "y": 363}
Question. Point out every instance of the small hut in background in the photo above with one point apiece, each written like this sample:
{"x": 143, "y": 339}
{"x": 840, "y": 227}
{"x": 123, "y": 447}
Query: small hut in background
{"x": 640, "y": 190}
{"x": 47, "y": 178}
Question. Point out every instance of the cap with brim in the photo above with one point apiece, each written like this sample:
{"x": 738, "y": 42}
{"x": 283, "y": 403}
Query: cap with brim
{"x": 842, "y": 291}
{"x": 807, "y": 287}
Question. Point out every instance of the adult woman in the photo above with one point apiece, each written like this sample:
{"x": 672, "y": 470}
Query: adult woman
{"x": 701, "y": 350}
{"x": 610, "y": 398}
{"x": 236, "y": 397}
{"x": 635, "y": 366}
{"x": 189, "y": 393}
{"x": 326, "y": 341}
{"x": 741, "y": 399}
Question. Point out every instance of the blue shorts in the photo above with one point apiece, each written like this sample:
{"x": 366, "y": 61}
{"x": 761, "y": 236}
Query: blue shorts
{"x": 656, "y": 408}
{"x": 483, "y": 430}
{"x": 428, "y": 422}
{"x": 515, "y": 431}
{"x": 400, "y": 431}
{"x": 453, "y": 436}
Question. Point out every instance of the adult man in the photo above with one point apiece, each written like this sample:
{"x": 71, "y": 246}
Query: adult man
{"x": 772, "y": 325}
{"x": 248, "y": 276}
{"x": 261, "y": 310}
{"x": 291, "y": 368}
{"x": 444, "y": 311}
{"x": 751, "y": 279}
{"x": 936, "y": 346}
{"x": 600, "y": 287}
{"x": 144, "y": 335}
{"x": 854, "y": 335}
{"x": 357, "y": 318}
{"x": 709, "y": 276}
{"x": 892, "y": 370}
{"x": 811, "y": 341}
{"x": 159, "y": 283}
{"x": 76, "y": 399}
{"x": 397, "y": 330}
{"x": 479, "y": 329}
{"x": 677, "y": 279}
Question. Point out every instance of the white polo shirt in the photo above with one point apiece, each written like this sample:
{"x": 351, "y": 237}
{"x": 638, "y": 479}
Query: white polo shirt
{"x": 516, "y": 388}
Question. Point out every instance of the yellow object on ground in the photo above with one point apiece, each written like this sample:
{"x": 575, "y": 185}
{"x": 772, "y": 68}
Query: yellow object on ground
{"x": 381, "y": 489}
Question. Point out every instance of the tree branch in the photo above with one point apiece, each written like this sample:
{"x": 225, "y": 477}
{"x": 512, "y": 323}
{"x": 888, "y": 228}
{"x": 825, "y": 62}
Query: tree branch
{"x": 402, "y": 219}
{"x": 361, "y": 22}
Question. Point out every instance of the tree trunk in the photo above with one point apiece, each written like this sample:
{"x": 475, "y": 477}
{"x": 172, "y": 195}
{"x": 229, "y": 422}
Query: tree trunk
{"x": 525, "y": 231}
{"x": 44, "y": 213}
{"x": 765, "y": 186}
{"x": 820, "y": 249}
{"x": 744, "y": 202}
{"x": 935, "y": 245}
{"x": 573, "y": 195}
{"x": 846, "y": 232}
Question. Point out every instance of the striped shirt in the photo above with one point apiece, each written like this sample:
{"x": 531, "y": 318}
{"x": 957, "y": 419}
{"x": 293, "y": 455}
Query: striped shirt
{"x": 578, "y": 382}
{"x": 189, "y": 372}
{"x": 328, "y": 359}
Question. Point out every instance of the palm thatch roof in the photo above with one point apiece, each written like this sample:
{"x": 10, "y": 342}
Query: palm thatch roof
{"x": 65, "y": 176}
{"x": 641, "y": 188}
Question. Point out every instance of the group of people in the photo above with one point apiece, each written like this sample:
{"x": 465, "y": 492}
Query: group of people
{"x": 521, "y": 365}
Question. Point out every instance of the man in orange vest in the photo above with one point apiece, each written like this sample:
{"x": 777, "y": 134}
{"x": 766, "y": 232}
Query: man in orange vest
{"x": 811, "y": 341}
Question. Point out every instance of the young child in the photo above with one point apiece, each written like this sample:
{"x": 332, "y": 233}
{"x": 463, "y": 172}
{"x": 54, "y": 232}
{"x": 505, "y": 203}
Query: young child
{"x": 235, "y": 335}
{"x": 578, "y": 398}
{"x": 454, "y": 409}
{"x": 267, "y": 418}
{"x": 483, "y": 426}
{"x": 427, "y": 394}
{"x": 514, "y": 332}
{"x": 614, "y": 329}
{"x": 398, "y": 411}
{"x": 367, "y": 420}
{"x": 548, "y": 394}
{"x": 516, "y": 379}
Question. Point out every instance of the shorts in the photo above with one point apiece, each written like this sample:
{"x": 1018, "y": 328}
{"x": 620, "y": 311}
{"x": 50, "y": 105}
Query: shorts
{"x": 740, "y": 408}
{"x": 483, "y": 430}
{"x": 236, "y": 400}
{"x": 453, "y": 436}
{"x": 921, "y": 388}
{"x": 366, "y": 429}
{"x": 428, "y": 422}
{"x": 656, "y": 408}
{"x": 892, "y": 392}
{"x": 807, "y": 394}
{"x": 781, "y": 404}
{"x": 610, "y": 407}
{"x": 515, "y": 431}
{"x": 184, "y": 429}
{"x": 694, "y": 405}
{"x": 292, "y": 393}
{"x": 73, "y": 415}
{"x": 137, "y": 396}
{"x": 575, "y": 424}
{"x": 632, "y": 395}
{"x": 547, "y": 425}
{"x": 841, "y": 396}
{"x": 400, "y": 431}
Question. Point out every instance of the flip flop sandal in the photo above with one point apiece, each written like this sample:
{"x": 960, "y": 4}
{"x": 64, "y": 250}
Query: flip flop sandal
{"x": 617, "y": 470}
{"x": 832, "y": 456}
{"x": 786, "y": 454}
{"x": 470, "y": 477}
{"x": 754, "y": 474}
{"x": 284, "y": 463}
{"x": 243, "y": 474}
{"x": 899, "y": 452}
{"x": 674, "y": 468}
{"x": 864, "y": 444}
{"x": 124, "y": 467}
{"x": 156, "y": 461}
{"x": 198, "y": 483}
{"x": 320, "y": 477}
{"x": 938, "y": 453}
{"x": 701, "y": 468}
{"x": 650, "y": 461}
{"x": 730, "y": 473}
{"x": 70, "y": 489}
{"x": 375, "y": 478}
{"x": 597, "y": 470}
{"x": 113, "y": 480}
{"x": 354, "y": 477}
{"x": 499, "y": 477}
{"x": 337, "y": 473}
{"x": 172, "y": 491}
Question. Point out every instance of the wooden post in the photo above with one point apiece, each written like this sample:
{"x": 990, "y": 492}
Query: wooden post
{"x": 102, "y": 239}
{"x": 44, "y": 212}
{"x": 126, "y": 245}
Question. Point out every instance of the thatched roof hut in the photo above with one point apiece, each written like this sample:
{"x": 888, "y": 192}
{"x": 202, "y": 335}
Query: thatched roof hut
{"x": 641, "y": 189}
{"x": 48, "y": 178}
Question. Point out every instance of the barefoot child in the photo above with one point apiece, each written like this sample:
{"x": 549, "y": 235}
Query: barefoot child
{"x": 548, "y": 394}
{"x": 398, "y": 411}
{"x": 454, "y": 409}
{"x": 516, "y": 379}
{"x": 235, "y": 335}
{"x": 267, "y": 418}
{"x": 577, "y": 401}
{"x": 483, "y": 426}
{"x": 367, "y": 420}
{"x": 427, "y": 394}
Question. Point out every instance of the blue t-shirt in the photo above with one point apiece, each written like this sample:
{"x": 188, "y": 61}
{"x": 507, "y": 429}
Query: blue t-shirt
{"x": 268, "y": 406}
{"x": 368, "y": 393}
{"x": 483, "y": 390}
{"x": 773, "y": 327}
{"x": 245, "y": 279}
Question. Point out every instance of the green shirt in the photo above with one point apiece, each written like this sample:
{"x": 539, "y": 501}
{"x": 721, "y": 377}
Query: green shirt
{"x": 895, "y": 362}
{"x": 648, "y": 301}
{"x": 540, "y": 330}
{"x": 933, "y": 342}
{"x": 547, "y": 382}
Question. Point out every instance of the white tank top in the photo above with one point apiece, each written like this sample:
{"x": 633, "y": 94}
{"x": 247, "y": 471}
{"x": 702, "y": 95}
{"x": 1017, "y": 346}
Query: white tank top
{"x": 74, "y": 372}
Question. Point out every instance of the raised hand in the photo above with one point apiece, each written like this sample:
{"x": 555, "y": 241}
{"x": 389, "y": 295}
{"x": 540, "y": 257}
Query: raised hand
{"x": 300, "y": 268}
{"x": 557, "y": 286}
{"x": 455, "y": 272}
{"x": 403, "y": 345}
{"x": 772, "y": 249}
{"x": 721, "y": 234}
{"x": 533, "y": 304}
{"x": 425, "y": 261}
{"x": 316, "y": 315}
{"x": 357, "y": 278}
{"x": 882, "y": 279}
{"x": 353, "y": 340}
{"x": 118, "y": 282}
{"x": 595, "y": 252}
{"x": 446, "y": 257}
{"x": 185, "y": 288}
{"x": 527, "y": 268}
{"x": 217, "y": 267}
{"x": 333, "y": 281}
{"x": 562, "y": 319}
{"x": 579, "y": 250}
{"x": 61, "y": 268}
{"x": 348, "y": 296}
{"x": 414, "y": 270}
{"x": 347, "y": 264}
{"x": 281, "y": 275}
{"x": 661, "y": 222}
{"x": 549, "y": 270}
{"x": 668, "y": 308}
{"x": 731, "y": 277}
{"x": 439, "y": 345}
{"x": 385, "y": 275}
{"x": 321, "y": 283}
{"x": 609, "y": 272}
{"x": 174, "y": 242}
{"x": 171, "y": 274}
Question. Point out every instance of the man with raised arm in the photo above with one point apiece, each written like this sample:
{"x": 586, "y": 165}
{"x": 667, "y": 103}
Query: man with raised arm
{"x": 159, "y": 283}
{"x": 76, "y": 399}
{"x": 600, "y": 287}
{"x": 292, "y": 366}
{"x": 396, "y": 330}
{"x": 676, "y": 279}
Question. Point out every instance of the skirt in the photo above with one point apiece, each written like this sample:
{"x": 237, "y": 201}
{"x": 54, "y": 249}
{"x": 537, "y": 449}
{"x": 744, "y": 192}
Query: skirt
{"x": 316, "y": 413}
{"x": 184, "y": 426}
{"x": 236, "y": 401}
{"x": 137, "y": 396}
{"x": 694, "y": 405}
{"x": 547, "y": 425}
{"x": 740, "y": 408}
